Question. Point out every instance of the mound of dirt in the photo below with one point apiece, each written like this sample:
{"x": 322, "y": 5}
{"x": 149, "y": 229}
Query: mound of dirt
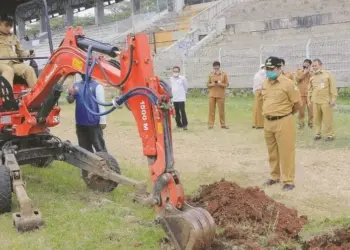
{"x": 248, "y": 217}
{"x": 339, "y": 241}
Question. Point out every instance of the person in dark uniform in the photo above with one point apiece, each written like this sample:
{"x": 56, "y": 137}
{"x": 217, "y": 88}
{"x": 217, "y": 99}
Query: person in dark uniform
{"x": 88, "y": 126}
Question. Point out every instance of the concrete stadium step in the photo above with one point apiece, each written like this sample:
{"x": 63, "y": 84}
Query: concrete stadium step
{"x": 177, "y": 21}
{"x": 268, "y": 9}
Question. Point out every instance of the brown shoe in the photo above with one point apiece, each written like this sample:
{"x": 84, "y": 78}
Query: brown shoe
{"x": 224, "y": 127}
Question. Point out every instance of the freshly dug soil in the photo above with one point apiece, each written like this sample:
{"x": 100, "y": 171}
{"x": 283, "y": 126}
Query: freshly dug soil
{"x": 249, "y": 218}
{"x": 339, "y": 241}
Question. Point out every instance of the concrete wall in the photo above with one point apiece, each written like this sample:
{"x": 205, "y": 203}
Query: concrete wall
{"x": 287, "y": 23}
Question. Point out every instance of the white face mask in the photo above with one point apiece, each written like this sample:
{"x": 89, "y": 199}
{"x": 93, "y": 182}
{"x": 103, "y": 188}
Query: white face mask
{"x": 175, "y": 74}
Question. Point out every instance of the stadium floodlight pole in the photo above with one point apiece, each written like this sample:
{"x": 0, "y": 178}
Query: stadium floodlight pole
{"x": 261, "y": 48}
{"x": 48, "y": 25}
{"x": 307, "y": 49}
{"x": 221, "y": 48}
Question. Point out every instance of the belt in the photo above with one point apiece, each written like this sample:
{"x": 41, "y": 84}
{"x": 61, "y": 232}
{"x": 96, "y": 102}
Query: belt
{"x": 274, "y": 118}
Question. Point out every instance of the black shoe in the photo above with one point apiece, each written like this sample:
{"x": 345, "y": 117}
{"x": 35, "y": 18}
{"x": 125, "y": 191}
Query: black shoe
{"x": 288, "y": 187}
{"x": 270, "y": 182}
{"x": 185, "y": 128}
{"x": 224, "y": 127}
{"x": 259, "y": 127}
{"x": 317, "y": 137}
{"x": 253, "y": 126}
{"x": 311, "y": 126}
{"x": 330, "y": 138}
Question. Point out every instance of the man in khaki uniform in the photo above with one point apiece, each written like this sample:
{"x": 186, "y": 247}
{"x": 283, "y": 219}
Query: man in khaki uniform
{"x": 217, "y": 83}
{"x": 302, "y": 77}
{"x": 286, "y": 74}
{"x": 11, "y": 48}
{"x": 281, "y": 100}
{"x": 257, "y": 117}
{"x": 322, "y": 94}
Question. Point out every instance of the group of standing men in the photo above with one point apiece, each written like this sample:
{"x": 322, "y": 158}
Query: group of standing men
{"x": 217, "y": 83}
{"x": 279, "y": 95}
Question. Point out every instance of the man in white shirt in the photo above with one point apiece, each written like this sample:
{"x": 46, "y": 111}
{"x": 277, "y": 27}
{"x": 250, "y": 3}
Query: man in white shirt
{"x": 258, "y": 119}
{"x": 179, "y": 89}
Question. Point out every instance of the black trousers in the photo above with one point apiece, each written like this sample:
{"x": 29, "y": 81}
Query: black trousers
{"x": 91, "y": 138}
{"x": 180, "y": 114}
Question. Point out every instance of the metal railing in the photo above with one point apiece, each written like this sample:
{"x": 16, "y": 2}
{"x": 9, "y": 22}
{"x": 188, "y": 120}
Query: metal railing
{"x": 241, "y": 64}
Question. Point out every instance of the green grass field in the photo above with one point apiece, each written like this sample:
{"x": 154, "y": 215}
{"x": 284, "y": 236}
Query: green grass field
{"x": 77, "y": 218}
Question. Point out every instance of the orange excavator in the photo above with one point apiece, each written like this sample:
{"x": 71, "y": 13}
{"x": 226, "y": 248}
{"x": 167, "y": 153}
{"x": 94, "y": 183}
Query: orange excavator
{"x": 27, "y": 114}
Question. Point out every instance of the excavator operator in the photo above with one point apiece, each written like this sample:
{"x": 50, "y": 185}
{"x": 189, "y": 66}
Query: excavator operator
{"x": 10, "y": 47}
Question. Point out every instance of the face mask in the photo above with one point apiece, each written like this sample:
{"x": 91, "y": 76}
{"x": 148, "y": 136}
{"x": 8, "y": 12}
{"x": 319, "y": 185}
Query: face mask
{"x": 175, "y": 74}
{"x": 271, "y": 75}
{"x": 316, "y": 70}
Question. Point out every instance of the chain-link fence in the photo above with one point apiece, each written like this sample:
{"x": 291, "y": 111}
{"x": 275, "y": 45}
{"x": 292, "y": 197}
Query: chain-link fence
{"x": 242, "y": 64}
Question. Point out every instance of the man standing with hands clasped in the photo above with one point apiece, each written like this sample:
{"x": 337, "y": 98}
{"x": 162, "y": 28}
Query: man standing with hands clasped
{"x": 179, "y": 89}
{"x": 259, "y": 77}
{"x": 281, "y": 99}
{"x": 322, "y": 94}
{"x": 217, "y": 83}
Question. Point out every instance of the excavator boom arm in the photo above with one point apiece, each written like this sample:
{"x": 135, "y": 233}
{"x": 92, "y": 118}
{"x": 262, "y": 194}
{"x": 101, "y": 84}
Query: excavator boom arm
{"x": 148, "y": 98}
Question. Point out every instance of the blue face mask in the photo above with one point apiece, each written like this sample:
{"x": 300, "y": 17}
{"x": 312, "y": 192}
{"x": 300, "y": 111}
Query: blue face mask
{"x": 271, "y": 75}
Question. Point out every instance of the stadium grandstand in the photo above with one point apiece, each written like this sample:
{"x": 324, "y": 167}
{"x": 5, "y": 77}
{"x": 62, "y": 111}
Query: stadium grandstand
{"x": 239, "y": 33}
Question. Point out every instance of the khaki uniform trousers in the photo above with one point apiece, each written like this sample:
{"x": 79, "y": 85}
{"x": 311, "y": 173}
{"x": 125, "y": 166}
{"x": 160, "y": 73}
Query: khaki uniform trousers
{"x": 258, "y": 118}
{"x": 323, "y": 117}
{"x": 212, "y": 108}
{"x": 280, "y": 137}
{"x": 302, "y": 113}
{"x": 8, "y": 71}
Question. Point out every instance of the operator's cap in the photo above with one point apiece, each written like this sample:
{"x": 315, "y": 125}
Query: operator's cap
{"x": 7, "y": 18}
{"x": 273, "y": 62}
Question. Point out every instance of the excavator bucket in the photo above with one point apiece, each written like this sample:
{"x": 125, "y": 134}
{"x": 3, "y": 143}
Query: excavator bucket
{"x": 189, "y": 228}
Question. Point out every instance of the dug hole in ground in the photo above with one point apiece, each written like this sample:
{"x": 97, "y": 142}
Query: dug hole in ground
{"x": 248, "y": 219}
